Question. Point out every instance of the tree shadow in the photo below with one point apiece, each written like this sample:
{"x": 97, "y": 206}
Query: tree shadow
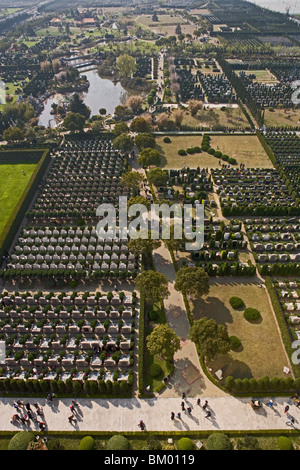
{"x": 212, "y": 308}
{"x": 231, "y": 367}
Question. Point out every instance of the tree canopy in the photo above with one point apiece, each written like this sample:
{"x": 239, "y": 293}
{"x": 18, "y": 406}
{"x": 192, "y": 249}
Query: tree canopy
{"x": 211, "y": 338}
{"x": 153, "y": 285}
{"x": 192, "y": 281}
{"x": 163, "y": 342}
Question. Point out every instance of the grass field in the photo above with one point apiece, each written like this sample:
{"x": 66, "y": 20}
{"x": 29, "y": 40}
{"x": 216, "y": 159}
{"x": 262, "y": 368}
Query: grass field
{"x": 262, "y": 76}
{"x": 233, "y": 118}
{"x": 261, "y": 353}
{"x": 12, "y": 186}
{"x": 245, "y": 149}
{"x": 282, "y": 118}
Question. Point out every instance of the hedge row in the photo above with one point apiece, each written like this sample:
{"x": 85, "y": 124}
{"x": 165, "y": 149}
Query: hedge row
{"x": 15, "y": 220}
{"x": 266, "y": 384}
{"x": 37, "y": 387}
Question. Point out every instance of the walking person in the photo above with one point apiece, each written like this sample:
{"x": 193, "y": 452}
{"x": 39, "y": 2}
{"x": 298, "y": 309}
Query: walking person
{"x": 141, "y": 425}
{"x": 72, "y": 418}
{"x": 172, "y": 416}
{"x": 182, "y": 406}
{"x": 178, "y": 416}
{"x": 205, "y": 405}
{"x": 72, "y": 408}
{"x": 291, "y": 422}
{"x": 183, "y": 396}
{"x": 286, "y": 409}
{"x": 198, "y": 402}
{"x": 189, "y": 410}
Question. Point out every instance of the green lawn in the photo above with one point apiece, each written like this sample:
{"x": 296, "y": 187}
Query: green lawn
{"x": 12, "y": 186}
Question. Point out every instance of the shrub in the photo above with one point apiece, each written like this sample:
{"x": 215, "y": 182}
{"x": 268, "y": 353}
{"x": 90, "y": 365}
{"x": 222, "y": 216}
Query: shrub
{"x": 182, "y": 153}
{"x": 185, "y": 443}
{"x": 251, "y": 314}
{"x": 225, "y": 158}
{"x": 190, "y": 151}
{"x": 235, "y": 342}
{"x": 211, "y": 151}
{"x": 153, "y": 315}
{"x": 218, "y": 441}
{"x": 232, "y": 161}
{"x": 284, "y": 443}
{"x": 118, "y": 442}
{"x": 21, "y": 440}
{"x": 236, "y": 303}
{"x": 87, "y": 443}
{"x": 167, "y": 140}
{"x": 155, "y": 371}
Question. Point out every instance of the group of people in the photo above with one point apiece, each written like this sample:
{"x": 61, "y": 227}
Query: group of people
{"x": 25, "y": 414}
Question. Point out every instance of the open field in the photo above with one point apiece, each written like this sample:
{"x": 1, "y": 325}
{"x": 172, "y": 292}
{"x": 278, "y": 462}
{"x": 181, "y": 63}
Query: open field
{"x": 12, "y": 185}
{"x": 233, "y": 118}
{"x": 262, "y": 76}
{"x": 245, "y": 149}
{"x": 261, "y": 353}
{"x": 282, "y": 118}
{"x": 146, "y": 20}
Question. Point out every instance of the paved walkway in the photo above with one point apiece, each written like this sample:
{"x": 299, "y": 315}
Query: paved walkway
{"x": 124, "y": 415}
{"x": 188, "y": 376}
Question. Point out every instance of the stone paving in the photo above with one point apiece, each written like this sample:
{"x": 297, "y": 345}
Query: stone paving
{"x": 227, "y": 413}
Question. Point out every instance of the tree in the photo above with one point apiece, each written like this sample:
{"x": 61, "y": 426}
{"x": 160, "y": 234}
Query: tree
{"x": 102, "y": 111}
{"x": 123, "y": 143}
{"x": 149, "y": 157}
{"x": 178, "y": 116}
{"x": 74, "y": 122}
{"x": 135, "y": 103}
{"x": 163, "y": 342}
{"x": 56, "y": 65}
{"x": 157, "y": 176}
{"x": 192, "y": 281}
{"x": 211, "y": 338}
{"x": 162, "y": 120}
{"x": 139, "y": 125}
{"x": 13, "y": 134}
{"x": 194, "y": 106}
{"x": 45, "y": 66}
{"x": 132, "y": 180}
{"x": 145, "y": 246}
{"x": 20, "y": 113}
{"x": 126, "y": 65}
{"x": 145, "y": 141}
{"x": 139, "y": 200}
{"x": 78, "y": 106}
{"x": 120, "y": 128}
{"x": 153, "y": 285}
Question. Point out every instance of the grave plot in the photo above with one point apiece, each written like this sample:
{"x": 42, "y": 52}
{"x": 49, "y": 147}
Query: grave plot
{"x": 69, "y": 335}
{"x": 253, "y": 192}
{"x": 286, "y": 148}
{"x": 275, "y": 243}
{"x": 189, "y": 185}
{"x": 224, "y": 243}
{"x": 265, "y": 94}
{"x": 188, "y": 80}
{"x": 144, "y": 67}
{"x": 289, "y": 295}
{"x": 217, "y": 88}
{"x": 83, "y": 175}
{"x": 44, "y": 249}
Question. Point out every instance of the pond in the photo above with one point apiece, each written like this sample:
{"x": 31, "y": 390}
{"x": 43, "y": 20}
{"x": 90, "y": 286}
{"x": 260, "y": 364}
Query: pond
{"x": 102, "y": 93}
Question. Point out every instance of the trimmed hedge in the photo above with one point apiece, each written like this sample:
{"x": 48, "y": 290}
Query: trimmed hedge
{"x": 21, "y": 440}
{"x": 284, "y": 443}
{"x": 87, "y": 443}
{"x": 218, "y": 441}
{"x": 235, "y": 342}
{"x": 251, "y": 314}
{"x": 118, "y": 442}
{"x": 185, "y": 443}
{"x": 236, "y": 303}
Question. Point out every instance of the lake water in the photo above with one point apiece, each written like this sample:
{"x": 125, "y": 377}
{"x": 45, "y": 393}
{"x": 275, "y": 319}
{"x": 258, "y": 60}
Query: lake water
{"x": 279, "y": 5}
{"x": 102, "y": 93}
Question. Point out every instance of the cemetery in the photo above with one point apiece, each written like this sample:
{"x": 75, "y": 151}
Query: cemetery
{"x": 253, "y": 192}
{"x": 83, "y": 175}
{"x": 289, "y": 296}
{"x": 75, "y": 336}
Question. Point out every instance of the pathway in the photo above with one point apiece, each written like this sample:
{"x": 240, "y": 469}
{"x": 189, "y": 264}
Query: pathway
{"x": 123, "y": 415}
{"x": 188, "y": 376}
